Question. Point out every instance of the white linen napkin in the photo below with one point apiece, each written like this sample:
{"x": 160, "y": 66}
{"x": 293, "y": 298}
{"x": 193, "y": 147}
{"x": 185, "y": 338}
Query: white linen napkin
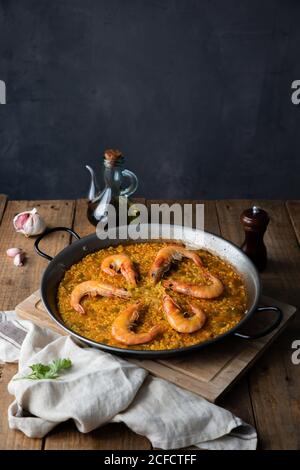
{"x": 100, "y": 388}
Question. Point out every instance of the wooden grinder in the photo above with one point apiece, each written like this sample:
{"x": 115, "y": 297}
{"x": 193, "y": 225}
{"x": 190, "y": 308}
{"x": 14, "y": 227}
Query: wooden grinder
{"x": 255, "y": 222}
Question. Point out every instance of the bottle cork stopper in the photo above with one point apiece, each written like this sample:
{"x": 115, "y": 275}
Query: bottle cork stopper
{"x": 112, "y": 156}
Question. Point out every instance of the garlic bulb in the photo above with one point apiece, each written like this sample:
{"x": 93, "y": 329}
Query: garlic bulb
{"x": 12, "y": 252}
{"x": 29, "y": 223}
{"x": 18, "y": 259}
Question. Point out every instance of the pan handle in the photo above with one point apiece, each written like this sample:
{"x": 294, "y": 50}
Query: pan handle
{"x": 266, "y": 331}
{"x": 47, "y": 232}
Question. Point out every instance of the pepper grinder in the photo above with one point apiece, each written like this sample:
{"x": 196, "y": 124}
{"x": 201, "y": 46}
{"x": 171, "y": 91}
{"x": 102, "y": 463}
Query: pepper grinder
{"x": 255, "y": 222}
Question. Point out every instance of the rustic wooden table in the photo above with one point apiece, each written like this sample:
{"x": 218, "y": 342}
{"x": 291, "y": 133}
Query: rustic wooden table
{"x": 268, "y": 397}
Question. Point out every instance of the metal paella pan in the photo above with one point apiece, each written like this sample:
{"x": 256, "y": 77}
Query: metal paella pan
{"x": 227, "y": 251}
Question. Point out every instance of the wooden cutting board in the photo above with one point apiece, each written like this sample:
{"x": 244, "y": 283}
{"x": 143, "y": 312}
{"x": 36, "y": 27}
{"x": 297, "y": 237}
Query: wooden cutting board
{"x": 210, "y": 371}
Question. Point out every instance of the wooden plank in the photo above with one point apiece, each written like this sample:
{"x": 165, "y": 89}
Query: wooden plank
{"x": 162, "y": 370}
{"x": 283, "y": 253}
{"x": 204, "y": 366}
{"x": 116, "y": 436}
{"x": 293, "y": 208}
{"x": 254, "y": 349}
{"x": 9, "y": 439}
{"x": 32, "y": 309}
{"x": 3, "y": 200}
{"x": 274, "y": 380}
{"x": 17, "y": 283}
{"x": 81, "y": 224}
{"x": 211, "y": 223}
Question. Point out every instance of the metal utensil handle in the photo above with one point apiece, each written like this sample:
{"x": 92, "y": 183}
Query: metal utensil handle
{"x": 269, "y": 328}
{"x": 47, "y": 232}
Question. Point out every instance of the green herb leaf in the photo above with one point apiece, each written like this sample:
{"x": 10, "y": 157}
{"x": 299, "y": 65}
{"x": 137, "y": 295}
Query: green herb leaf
{"x": 47, "y": 371}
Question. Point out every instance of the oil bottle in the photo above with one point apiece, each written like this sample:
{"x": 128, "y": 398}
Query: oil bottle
{"x": 113, "y": 191}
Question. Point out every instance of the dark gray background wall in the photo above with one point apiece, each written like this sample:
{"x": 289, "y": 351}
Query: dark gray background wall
{"x": 196, "y": 93}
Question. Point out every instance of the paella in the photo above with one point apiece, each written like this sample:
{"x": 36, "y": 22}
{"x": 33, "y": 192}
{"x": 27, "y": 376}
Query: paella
{"x": 151, "y": 296}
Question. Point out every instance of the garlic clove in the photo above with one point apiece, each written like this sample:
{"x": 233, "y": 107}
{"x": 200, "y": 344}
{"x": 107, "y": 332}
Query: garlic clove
{"x": 21, "y": 219}
{"x": 29, "y": 223}
{"x": 19, "y": 259}
{"x": 12, "y": 252}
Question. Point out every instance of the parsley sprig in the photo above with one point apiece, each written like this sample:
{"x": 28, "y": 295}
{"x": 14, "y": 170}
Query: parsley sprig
{"x": 47, "y": 371}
